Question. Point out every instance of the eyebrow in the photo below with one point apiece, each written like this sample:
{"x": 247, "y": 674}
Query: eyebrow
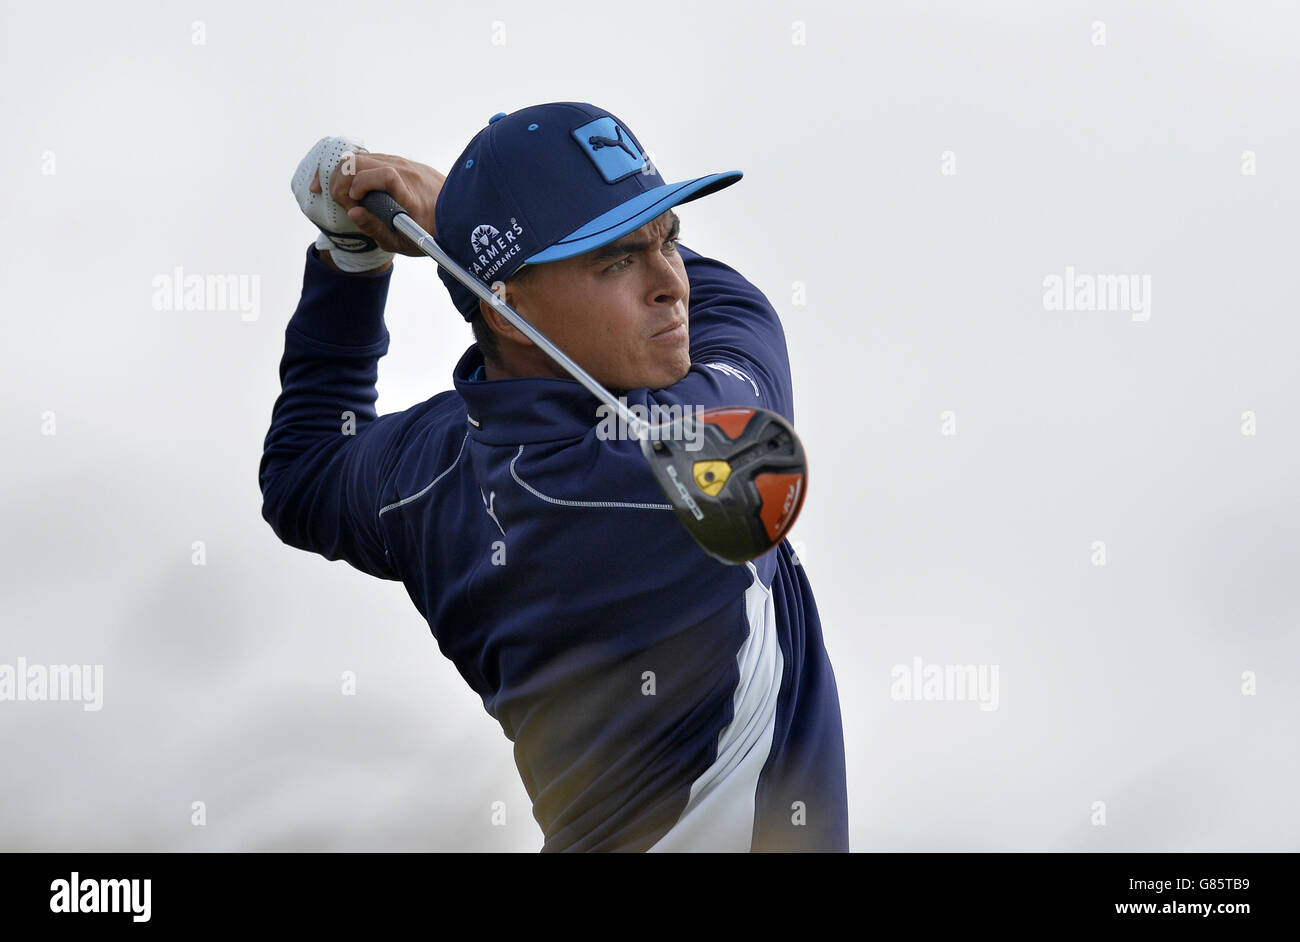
{"x": 629, "y": 246}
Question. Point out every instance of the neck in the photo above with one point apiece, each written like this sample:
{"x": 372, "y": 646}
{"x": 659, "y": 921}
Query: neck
{"x": 533, "y": 363}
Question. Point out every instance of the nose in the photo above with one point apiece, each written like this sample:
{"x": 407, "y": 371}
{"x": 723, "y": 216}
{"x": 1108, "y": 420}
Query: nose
{"x": 668, "y": 283}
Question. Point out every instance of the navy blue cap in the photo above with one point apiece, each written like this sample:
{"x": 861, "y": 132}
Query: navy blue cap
{"x": 546, "y": 183}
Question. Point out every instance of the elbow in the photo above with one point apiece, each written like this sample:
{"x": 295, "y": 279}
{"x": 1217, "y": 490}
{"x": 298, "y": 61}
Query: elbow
{"x": 272, "y": 503}
{"x": 270, "y": 513}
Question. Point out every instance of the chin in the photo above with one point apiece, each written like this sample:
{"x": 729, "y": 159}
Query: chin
{"x": 669, "y": 379}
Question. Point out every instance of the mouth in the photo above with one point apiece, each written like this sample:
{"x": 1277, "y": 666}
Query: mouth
{"x": 671, "y": 332}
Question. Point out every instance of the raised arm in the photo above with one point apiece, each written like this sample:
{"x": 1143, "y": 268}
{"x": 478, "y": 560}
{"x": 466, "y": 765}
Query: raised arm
{"x": 327, "y": 454}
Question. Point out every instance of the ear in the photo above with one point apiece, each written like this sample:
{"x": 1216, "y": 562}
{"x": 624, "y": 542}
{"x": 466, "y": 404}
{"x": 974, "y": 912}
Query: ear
{"x": 498, "y": 324}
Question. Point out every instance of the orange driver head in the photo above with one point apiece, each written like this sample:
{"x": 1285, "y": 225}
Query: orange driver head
{"x": 735, "y": 476}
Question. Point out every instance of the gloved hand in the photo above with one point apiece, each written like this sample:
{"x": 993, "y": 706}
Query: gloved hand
{"x": 350, "y": 249}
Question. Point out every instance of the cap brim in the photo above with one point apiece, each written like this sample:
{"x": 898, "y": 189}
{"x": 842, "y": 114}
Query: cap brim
{"x": 633, "y": 214}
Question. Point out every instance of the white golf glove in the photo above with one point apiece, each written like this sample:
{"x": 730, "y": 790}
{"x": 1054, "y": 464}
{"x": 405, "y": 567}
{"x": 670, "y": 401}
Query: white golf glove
{"x": 350, "y": 248}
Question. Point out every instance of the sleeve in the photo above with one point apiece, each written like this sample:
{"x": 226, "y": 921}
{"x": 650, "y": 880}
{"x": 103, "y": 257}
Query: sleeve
{"x": 326, "y": 455}
{"x": 738, "y": 349}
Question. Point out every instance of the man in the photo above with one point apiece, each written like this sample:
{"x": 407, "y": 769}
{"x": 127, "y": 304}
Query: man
{"x": 657, "y": 699}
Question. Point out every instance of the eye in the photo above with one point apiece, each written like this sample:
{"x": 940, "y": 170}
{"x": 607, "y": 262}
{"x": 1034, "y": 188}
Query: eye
{"x": 670, "y": 244}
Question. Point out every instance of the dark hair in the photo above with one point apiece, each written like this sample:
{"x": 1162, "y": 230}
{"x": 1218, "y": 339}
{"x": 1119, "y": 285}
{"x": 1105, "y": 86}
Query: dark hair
{"x": 484, "y": 335}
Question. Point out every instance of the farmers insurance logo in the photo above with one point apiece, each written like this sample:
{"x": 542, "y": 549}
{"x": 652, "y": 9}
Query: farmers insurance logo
{"x": 491, "y": 248}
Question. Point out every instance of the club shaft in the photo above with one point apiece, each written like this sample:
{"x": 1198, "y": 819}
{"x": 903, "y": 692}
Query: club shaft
{"x": 404, "y": 224}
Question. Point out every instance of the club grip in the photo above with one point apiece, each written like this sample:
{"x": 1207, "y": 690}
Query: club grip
{"x": 383, "y": 206}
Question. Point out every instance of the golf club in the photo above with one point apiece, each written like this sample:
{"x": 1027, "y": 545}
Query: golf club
{"x": 737, "y": 493}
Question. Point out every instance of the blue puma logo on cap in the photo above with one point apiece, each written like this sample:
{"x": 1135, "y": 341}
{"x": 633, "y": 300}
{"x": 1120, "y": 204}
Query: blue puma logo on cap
{"x": 597, "y": 142}
{"x": 611, "y": 149}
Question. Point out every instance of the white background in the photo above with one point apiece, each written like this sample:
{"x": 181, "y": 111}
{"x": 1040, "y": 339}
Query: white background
{"x": 1119, "y": 683}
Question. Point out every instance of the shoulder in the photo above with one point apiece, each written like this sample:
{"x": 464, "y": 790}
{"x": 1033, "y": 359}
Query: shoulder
{"x": 714, "y": 270}
{"x": 427, "y": 436}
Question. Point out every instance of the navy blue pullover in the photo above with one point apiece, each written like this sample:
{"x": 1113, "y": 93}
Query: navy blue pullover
{"x": 657, "y": 699}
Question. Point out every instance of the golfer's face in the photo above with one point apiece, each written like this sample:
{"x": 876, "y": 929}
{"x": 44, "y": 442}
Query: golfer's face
{"x": 620, "y": 310}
